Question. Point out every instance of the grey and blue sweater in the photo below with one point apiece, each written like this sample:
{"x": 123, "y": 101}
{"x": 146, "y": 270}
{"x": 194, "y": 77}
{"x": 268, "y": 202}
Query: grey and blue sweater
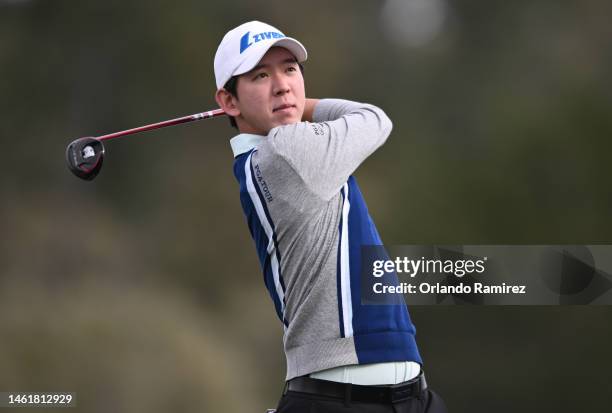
{"x": 309, "y": 220}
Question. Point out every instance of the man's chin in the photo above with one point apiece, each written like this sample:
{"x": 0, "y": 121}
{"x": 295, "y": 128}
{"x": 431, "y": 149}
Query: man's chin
{"x": 287, "y": 119}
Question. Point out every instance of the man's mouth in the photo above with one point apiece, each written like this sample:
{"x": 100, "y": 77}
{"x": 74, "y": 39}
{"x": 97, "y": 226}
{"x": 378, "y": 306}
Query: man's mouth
{"x": 281, "y": 107}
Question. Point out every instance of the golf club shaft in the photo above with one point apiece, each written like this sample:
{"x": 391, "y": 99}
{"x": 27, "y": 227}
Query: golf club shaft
{"x": 166, "y": 123}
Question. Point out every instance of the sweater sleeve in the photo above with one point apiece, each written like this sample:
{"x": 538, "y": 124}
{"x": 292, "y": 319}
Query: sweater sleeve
{"x": 324, "y": 153}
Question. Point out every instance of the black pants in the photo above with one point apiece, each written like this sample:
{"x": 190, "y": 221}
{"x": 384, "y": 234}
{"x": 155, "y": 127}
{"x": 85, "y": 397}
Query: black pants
{"x": 294, "y": 402}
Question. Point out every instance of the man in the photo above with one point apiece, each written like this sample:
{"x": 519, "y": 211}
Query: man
{"x": 293, "y": 160}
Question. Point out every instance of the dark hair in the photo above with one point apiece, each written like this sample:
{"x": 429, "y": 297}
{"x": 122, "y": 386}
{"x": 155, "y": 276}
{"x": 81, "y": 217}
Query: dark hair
{"x": 232, "y": 88}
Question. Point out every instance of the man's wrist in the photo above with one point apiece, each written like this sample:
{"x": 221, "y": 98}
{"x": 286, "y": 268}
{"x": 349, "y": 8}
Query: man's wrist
{"x": 309, "y": 107}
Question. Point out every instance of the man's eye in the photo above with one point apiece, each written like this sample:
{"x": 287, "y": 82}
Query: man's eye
{"x": 260, "y": 75}
{"x": 291, "y": 69}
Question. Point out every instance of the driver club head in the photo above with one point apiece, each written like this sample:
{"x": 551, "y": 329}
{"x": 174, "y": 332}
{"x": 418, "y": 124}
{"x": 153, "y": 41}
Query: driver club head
{"x": 84, "y": 157}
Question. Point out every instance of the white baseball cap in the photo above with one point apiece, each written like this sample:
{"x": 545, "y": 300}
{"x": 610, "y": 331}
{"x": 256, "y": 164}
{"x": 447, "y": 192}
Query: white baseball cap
{"x": 243, "y": 47}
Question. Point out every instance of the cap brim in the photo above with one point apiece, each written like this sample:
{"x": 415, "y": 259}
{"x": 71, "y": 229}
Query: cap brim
{"x": 295, "y": 47}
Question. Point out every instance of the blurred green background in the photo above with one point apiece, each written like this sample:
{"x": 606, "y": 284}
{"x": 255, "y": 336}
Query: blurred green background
{"x": 141, "y": 291}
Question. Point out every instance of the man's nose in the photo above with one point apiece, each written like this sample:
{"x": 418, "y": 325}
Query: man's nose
{"x": 281, "y": 85}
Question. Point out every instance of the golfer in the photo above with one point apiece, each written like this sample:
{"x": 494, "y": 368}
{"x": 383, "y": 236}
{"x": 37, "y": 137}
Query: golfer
{"x": 294, "y": 158}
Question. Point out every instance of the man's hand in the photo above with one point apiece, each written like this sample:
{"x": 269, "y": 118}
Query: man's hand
{"x": 309, "y": 109}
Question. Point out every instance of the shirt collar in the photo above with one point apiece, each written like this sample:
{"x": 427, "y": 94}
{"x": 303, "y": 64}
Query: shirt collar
{"x": 245, "y": 142}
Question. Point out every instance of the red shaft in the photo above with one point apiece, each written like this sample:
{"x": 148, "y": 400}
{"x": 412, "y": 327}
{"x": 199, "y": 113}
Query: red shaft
{"x": 166, "y": 123}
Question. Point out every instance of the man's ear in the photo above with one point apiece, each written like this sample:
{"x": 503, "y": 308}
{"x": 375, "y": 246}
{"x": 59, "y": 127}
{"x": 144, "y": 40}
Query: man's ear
{"x": 227, "y": 102}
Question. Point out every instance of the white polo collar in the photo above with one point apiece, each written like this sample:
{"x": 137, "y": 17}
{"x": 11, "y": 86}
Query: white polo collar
{"x": 245, "y": 142}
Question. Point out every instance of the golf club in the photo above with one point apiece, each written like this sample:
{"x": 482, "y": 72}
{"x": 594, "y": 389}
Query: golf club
{"x": 85, "y": 155}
